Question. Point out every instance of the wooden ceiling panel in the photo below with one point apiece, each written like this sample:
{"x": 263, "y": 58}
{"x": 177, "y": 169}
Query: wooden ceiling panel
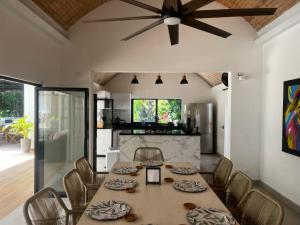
{"x": 67, "y": 12}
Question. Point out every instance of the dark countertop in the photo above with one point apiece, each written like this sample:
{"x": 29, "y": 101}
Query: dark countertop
{"x": 157, "y": 132}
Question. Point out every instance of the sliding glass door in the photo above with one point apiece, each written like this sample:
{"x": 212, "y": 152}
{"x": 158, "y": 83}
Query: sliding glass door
{"x": 61, "y": 133}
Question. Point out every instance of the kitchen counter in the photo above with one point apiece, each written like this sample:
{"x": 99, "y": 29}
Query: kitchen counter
{"x": 176, "y": 146}
{"x": 157, "y": 132}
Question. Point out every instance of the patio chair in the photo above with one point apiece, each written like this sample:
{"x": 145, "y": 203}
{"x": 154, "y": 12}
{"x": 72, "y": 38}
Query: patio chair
{"x": 76, "y": 191}
{"x": 257, "y": 208}
{"x": 143, "y": 154}
{"x": 238, "y": 186}
{"x": 91, "y": 179}
{"x": 10, "y": 137}
{"x": 220, "y": 176}
{"x": 46, "y": 207}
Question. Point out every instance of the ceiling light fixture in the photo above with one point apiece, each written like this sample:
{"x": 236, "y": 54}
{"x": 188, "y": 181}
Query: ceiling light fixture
{"x": 172, "y": 21}
{"x": 134, "y": 80}
{"x": 159, "y": 80}
{"x": 184, "y": 80}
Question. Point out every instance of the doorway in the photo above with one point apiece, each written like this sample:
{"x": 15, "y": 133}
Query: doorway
{"x": 16, "y": 165}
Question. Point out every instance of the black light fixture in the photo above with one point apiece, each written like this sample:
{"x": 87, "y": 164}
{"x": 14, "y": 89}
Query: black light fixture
{"x": 134, "y": 80}
{"x": 159, "y": 80}
{"x": 184, "y": 80}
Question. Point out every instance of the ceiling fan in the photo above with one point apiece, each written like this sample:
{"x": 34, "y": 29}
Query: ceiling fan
{"x": 173, "y": 13}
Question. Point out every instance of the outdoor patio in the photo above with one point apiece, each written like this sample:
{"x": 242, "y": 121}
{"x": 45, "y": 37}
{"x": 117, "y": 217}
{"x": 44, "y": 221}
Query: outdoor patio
{"x": 16, "y": 177}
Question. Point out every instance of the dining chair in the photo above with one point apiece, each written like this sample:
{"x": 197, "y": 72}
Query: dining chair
{"x": 143, "y": 154}
{"x": 91, "y": 179}
{"x": 76, "y": 192}
{"x": 45, "y": 208}
{"x": 257, "y": 208}
{"x": 220, "y": 175}
{"x": 237, "y": 187}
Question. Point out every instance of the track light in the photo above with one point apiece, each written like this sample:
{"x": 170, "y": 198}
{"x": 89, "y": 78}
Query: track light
{"x": 134, "y": 80}
{"x": 184, "y": 80}
{"x": 159, "y": 80}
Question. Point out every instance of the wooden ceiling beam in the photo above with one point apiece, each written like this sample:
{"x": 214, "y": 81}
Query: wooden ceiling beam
{"x": 67, "y": 12}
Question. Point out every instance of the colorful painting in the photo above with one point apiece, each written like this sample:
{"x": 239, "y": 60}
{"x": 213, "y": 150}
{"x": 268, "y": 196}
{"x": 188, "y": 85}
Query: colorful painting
{"x": 291, "y": 117}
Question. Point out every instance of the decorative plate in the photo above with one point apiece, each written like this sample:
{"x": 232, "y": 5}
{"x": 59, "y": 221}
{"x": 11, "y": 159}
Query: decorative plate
{"x": 209, "y": 216}
{"x": 184, "y": 170}
{"x": 108, "y": 210}
{"x": 119, "y": 184}
{"x": 152, "y": 163}
{"x": 124, "y": 170}
{"x": 189, "y": 186}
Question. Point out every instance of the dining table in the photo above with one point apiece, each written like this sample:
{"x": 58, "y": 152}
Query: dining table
{"x": 155, "y": 204}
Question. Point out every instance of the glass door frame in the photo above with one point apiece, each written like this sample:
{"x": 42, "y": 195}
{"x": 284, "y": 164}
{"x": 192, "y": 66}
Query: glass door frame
{"x": 38, "y": 170}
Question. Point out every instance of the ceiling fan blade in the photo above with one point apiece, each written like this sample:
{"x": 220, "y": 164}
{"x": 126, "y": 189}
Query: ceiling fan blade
{"x": 144, "y": 29}
{"x": 172, "y": 5}
{"x": 174, "y": 34}
{"x": 205, "y": 27}
{"x": 143, "y": 5}
{"x": 122, "y": 19}
{"x": 232, "y": 12}
{"x": 194, "y": 5}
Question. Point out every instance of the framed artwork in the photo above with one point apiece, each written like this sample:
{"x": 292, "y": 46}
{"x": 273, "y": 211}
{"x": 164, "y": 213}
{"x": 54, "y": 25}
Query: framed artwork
{"x": 291, "y": 117}
{"x": 153, "y": 175}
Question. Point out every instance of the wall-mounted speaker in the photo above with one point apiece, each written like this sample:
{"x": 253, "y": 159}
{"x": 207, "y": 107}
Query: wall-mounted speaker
{"x": 225, "y": 79}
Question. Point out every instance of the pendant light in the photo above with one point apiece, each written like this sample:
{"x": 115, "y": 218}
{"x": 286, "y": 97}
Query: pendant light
{"x": 134, "y": 80}
{"x": 184, "y": 80}
{"x": 159, "y": 80}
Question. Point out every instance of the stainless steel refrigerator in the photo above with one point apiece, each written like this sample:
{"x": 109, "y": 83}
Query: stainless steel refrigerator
{"x": 199, "y": 116}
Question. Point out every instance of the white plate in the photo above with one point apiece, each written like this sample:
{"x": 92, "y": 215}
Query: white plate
{"x": 124, "y": 170}
{"x": 108, "y": 210}
{"x": 152, "y": 163}
{"x": 184, "y": 170}
{"x": 209, "y": 216}
{"x": 189, "y": 186}
{"x": 120, "y": 184}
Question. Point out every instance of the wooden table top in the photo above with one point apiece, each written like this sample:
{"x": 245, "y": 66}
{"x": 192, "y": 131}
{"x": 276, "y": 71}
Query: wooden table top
{"x": 155, "y": 204}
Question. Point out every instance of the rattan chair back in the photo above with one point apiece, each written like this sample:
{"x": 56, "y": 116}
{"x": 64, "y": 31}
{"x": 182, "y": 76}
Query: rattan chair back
{"x": 143, "y": 154}
{"x": 84, "y": 169}
{"x": 46, "y": 208}
{"x": 222, "y": 172}
{"x": 75, "y": 190}
{"x": 238, "y": 186}
{"x": 257, "y": 208}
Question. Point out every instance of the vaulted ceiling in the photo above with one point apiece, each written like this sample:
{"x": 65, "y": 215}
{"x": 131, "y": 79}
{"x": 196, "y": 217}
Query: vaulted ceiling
{"x": 67, "y": 12}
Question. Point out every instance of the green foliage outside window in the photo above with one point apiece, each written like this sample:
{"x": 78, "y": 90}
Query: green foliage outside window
{"x": 169, "y": 110}
{"x": 144, "y": 110}
{"x": 11, "y": 103}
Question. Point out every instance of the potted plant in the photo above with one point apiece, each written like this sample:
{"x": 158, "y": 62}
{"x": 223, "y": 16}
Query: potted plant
{"x": 23, "y": 127}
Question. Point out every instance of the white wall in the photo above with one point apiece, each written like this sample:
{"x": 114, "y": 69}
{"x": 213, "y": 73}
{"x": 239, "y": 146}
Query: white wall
{"x": 280, "y": 63}
{"x": 26, "y": 52}
{"x": 196, "y": 91}
{"x": 221, "y": 102}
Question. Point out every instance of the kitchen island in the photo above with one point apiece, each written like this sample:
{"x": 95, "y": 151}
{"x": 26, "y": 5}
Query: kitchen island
{"x": 176, "y": 145}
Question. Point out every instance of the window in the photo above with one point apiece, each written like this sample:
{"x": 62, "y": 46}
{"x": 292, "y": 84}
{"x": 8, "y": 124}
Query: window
{"x": 168, "y": 110}
{"x": 156, "y": 110}
{"x": 144, "y": 110}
